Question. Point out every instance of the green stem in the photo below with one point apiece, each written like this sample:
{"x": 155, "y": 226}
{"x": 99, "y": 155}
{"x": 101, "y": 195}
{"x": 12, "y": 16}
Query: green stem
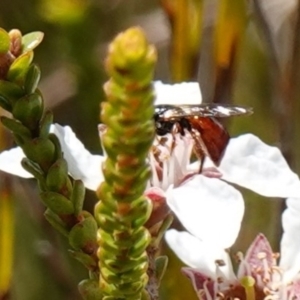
{"x": 30, "y": 126}
{"x": 122, "y": 209}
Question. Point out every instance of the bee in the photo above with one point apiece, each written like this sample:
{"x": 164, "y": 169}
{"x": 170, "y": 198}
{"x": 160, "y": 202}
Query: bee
{"x": 210, "y": 136}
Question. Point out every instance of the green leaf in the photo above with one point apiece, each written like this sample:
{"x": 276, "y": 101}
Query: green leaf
{"x": 89, "y": 290}
{"x": 57, "y": 177}
{"x": 83, "y": 235}
{"x": 17, "y": 128}
{"x": 29, "y": 110}
{"x": 56, "y": 222}
{"x": 57, "y": 203}
{"x": 18, "y": 69}
{"x": 10, "y": 91}
{"x": 32, "y": 79}
{"x": 4, "y": 103}
{"x": 31, "y": 40}
{"x": 32, "y": 168}
{"x": 54, "y": 139}
{"x": 77, "y": 196}
{"x": 41, "y": 151}
{"x": 85, "y": 259}
{"x": 4, "y": 41}
{"x": 45, "y": 124}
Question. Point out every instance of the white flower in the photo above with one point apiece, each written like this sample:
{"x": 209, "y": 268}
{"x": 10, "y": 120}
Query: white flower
{"x": 209, "y": 208}
{"x": 210, "y": 268}
{"x": 176, "y": 94}
{"x": 212, "y": 210}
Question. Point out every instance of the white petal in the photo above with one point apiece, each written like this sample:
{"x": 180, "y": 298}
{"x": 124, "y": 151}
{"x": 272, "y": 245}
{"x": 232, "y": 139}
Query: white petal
{"x": 290, "y": 242}
{"x": 208, "y": 208}
{"x": 10, "y": 162}
{"x": 176, "y": 94}
{"x": 253, "y": 164}
{"x": 197, "y": 254}
{"x": 82, "y": 164}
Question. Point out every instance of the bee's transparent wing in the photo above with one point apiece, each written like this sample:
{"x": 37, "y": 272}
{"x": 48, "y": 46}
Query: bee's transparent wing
{"x": 206, "y": 110}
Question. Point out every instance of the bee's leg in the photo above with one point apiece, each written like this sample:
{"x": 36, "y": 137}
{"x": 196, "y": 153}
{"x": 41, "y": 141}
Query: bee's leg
{"x": 198, "y": 150}
{"x": 202, "y": 159}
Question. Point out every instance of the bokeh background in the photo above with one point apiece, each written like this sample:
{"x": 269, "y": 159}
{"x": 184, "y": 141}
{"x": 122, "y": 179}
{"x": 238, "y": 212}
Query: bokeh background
{"x": 244, "y": 52}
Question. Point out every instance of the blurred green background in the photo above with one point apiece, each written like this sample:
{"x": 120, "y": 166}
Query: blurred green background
{"x": 240, "y": 51}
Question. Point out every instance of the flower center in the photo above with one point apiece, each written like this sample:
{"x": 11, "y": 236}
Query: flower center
{"x": 169, "y": 159}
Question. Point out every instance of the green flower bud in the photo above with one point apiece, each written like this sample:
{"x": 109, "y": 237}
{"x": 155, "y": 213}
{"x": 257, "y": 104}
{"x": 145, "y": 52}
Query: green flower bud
{"x": 130, "y": 58}
{"x": 15, "y": 37}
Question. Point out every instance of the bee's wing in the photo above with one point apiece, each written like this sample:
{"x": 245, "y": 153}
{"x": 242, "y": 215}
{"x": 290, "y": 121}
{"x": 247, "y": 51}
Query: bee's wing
{"x": 209, "y": 110}
{"x": 168, "y": 112}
